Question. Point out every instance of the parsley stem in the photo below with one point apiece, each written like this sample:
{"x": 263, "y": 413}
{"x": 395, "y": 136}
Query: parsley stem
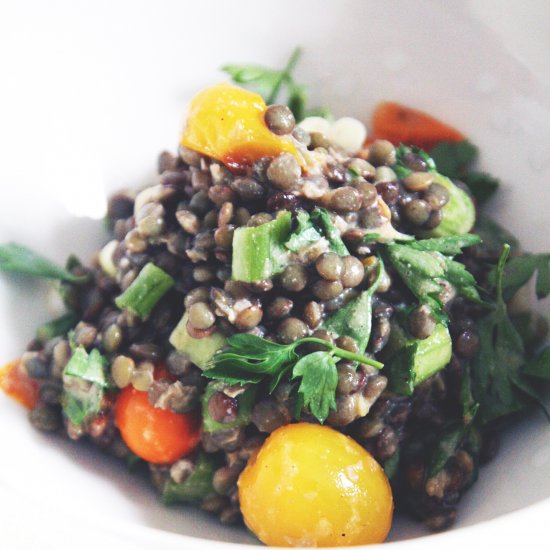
{"x": 342, "y": 353}
{"x": 500, "y": 270}
{"x": 285, "y": 75}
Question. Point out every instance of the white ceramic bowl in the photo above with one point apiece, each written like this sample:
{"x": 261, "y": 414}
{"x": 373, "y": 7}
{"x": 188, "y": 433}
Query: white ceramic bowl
{"x": 91, "y": 92}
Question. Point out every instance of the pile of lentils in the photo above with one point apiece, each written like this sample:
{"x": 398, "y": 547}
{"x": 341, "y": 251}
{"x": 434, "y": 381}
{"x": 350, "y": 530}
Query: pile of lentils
{"x": 184, "y": 224}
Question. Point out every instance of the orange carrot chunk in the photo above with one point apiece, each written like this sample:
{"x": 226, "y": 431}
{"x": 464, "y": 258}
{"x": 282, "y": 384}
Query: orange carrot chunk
{"x": 400, "y": 124}
{"x": 16, "y": 383}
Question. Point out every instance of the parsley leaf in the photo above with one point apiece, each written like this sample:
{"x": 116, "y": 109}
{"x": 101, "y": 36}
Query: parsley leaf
{"x": 20, "y": 259}
{"x": 520, "y": 269}
{"x": 498, "y": 383}
{"x": 304, "y": 234}
{"x": 493, "y": 235}
{"x": 318, "y": 384}
{"x": 425, "y": 270}
{"x": 355, "y": 318}
{"x": 540, "y": 365}
{"x": 454, "y": 157}
{"x": 455, "y": 161}
{"x": 322, "y": 219}
{"x": 90, "y": 367}
{"x": 269, "y": 83}
{"x": 446, "y": 446}
{"x": 84, "y": 383}
{"x": 250, "y": 359}
{"x": 451, "y": 246}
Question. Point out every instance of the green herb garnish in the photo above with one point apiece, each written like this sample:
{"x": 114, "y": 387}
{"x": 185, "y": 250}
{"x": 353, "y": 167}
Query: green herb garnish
{"x": 195, "y": 487}
{"x": 498, "y": 382}
{"x": 304, "y": 234}
{"x": 493, "y": 235}
{"x": 539, "y": 367}
{"x": 401, "y": 168}
{"x": 355, "y": 318}
{"x": 520, "y": 269}
{"x": 20, "y": 259}
{"x": 84, "y": 383}
{"x": 450, "y": 246}
{"x": 90, "y": 367}
{"x": 323, "y": 221}
{"x": 455, "y": 160}
{"x": 425, "y": 269}
{"x": 147, "y": 289}
{"x": 250, "y": 359}
{"x": 269, "y": 83}
{"x": 56, "y": 327}
{"x": 319, "y": 380}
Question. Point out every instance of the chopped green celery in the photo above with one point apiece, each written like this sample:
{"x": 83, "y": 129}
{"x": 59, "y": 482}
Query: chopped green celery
{"x": 199, "y": 350}
{"x": 413, "y": 361}
{"x": 148, "y": 288}
{"x": 459, "y": 214}
{"x": 56, "y": 327}
{"x": 197, "y": 486}
{"x": 259, "y": 252}
{"x": 245, "y": 402}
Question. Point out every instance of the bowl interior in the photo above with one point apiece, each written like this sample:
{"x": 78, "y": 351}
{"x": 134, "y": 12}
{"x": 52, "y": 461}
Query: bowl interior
{"x": 94, "y": 91}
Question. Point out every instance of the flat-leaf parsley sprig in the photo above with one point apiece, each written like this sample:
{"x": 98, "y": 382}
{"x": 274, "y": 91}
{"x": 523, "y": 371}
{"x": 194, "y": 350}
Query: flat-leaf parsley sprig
{"x": 249, "y": 359}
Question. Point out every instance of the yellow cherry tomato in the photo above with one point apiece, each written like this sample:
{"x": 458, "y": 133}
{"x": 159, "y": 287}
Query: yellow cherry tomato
{"x": 310, "y": 485}
{"x": 227, "y": 123}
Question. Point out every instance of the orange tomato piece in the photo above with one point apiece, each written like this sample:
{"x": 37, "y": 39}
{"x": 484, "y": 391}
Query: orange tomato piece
{"x": 400, "y": 124}
{"x": 16, "y": 383}
{"x": 227, "y": 123}
{"x": 156, "y": 435}
{"x": 310, "y": 485}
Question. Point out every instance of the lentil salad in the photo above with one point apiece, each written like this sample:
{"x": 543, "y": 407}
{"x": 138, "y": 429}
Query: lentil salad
{"x": 314, "y": 244}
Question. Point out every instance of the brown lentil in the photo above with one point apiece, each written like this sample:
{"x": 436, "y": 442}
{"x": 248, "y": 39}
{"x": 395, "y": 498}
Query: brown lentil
{"x": 284, "y": 171}
{"x": 188, "y": 221}
{"x": 418, "y": 181}
{"x": 435, "y": 218}
{"x": 417, "y": 211}
{"x": 326, "y": 290}
{"x": 291, "y": 329}
{"x": 248, "y": 189}
{"x": 201, "y": 315}
{"x": 330, "y": 266}
{"x": 279, "y": 119}
{"x": 142, "y": 377}
{"x": 353, "y": 272}
{"x": 313, "y": 314}
{"x": 436, "y": 196}
{"x": 421, "y": 322}
{"x": 280, "y": 307}
{"x": 294, "y": 278}
{"x": 150, "y": 220}
{"x": 112, "y": 338}
{"x": 249, "y": 317}
{"x": 382, "y": 152}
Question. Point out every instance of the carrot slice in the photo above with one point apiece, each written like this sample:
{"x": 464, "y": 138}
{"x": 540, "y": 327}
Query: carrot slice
{"x": 400, "y": 124}
{"x": 16, "y": 383}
